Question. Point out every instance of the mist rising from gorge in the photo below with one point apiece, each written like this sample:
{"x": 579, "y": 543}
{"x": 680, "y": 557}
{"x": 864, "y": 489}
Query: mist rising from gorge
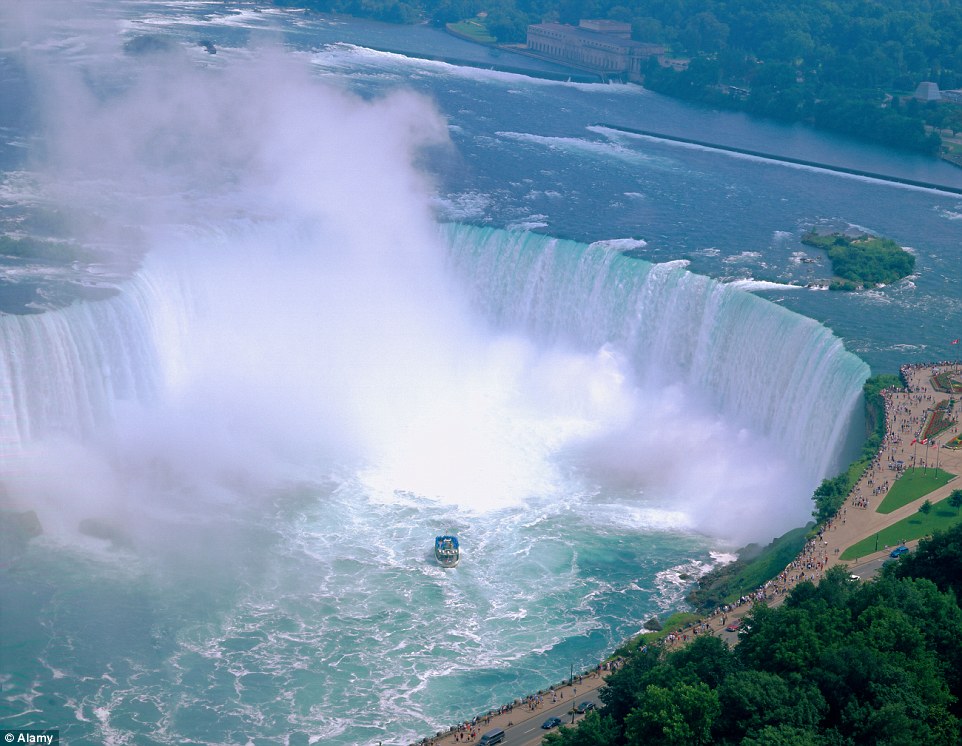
{"x": 294, "y": 317}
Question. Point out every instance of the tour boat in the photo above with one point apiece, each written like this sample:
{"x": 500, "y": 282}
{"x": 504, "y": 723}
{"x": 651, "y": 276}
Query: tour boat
{"x": 447, "y": 551}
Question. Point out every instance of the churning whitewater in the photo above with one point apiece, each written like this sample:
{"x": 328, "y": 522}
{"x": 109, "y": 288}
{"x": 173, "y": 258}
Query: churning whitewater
{"x": 240, "y": 460}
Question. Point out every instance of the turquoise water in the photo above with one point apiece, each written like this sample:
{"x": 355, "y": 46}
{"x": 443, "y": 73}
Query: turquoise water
{"x": 306, "y": 379}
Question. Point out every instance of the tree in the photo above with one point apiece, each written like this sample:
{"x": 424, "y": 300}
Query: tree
{"x": 938, "y": 559}
{"x": 784, "y": 735}
{"x": 926, "y": 507}
{"x": 618, "y": 695}
{"x": 594, "y": 730}
{"x": 680, "y": 716}
{"x": 507, "y": 25}
{"x": 646, "y": 28}
{"x": 955, "y": 500}
{"x": 751, "y": 701}
{"x": 704, "y": 33}
{"x": 707, "y": 659}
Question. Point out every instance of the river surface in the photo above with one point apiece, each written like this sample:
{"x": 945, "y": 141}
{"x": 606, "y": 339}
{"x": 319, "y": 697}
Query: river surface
{"x": 356, "y": 318}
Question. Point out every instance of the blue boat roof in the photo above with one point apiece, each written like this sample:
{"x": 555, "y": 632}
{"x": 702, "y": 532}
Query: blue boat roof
{"x": 454, "y": 539}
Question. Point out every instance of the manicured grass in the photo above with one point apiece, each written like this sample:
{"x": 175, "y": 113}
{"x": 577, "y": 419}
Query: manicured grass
{"x": 912, "y": 485}
{"x": 941, "y": 517}
{"x": 474, "y": 30}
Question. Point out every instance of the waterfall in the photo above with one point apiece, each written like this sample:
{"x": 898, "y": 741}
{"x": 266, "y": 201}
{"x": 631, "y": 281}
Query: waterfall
{"x": 537, "y": 368}
{"x": 783, "y": 375}
{"x": 65, "y": 372}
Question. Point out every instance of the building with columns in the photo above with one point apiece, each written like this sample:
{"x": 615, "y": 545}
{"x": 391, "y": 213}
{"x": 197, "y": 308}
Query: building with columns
{"x": 601, "y": 46}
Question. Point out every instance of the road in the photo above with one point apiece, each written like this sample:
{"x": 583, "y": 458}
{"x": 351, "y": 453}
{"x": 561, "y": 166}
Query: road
{"x": 530, "y": 732}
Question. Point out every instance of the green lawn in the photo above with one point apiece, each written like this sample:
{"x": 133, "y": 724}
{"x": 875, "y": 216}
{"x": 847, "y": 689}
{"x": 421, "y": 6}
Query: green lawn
{"x": 941, "y": 517}
{"x": 473, "y": 29}
{"x": 912, "y": 485}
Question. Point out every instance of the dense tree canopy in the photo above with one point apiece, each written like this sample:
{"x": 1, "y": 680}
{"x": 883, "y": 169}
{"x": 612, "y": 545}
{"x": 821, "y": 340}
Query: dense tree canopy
{"x": 839, "y": 64}
{"x": 864, "y": 260}
{"x": 841, "y": 663}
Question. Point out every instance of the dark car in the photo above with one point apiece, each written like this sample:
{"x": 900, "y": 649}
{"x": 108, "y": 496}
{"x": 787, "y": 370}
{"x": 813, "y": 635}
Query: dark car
{"x": 899, "y": 551}
{"x": 551, "y": 723}
{"x": 585, "y": 707}
{"x": 495, "y": 735}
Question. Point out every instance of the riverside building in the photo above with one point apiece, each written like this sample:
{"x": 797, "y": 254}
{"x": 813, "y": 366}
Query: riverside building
{"x": 600, "y": 46}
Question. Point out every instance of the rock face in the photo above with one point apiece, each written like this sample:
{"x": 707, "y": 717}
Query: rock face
{"x": 148, "y": 44}
{"x": 16, "y": 529}
{"x": 28, "y": 523}
{"x": 98, "y": 529}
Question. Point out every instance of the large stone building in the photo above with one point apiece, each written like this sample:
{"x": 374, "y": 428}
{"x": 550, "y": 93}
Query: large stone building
{"x": 603, "y": 47}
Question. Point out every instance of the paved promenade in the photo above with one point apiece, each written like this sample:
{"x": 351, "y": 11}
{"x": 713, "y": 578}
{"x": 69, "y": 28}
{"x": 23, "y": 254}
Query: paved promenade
{"x": 906, "y": 414}
{"x": 531, "y": 709}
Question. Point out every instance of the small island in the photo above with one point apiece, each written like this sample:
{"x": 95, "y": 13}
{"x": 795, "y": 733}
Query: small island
{"x": 863, "y": 260}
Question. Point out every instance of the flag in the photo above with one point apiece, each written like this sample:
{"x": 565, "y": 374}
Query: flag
{"x": 924, "y": 441}
{"x": 914, "y": 441}
{"x": 955, "y": 341}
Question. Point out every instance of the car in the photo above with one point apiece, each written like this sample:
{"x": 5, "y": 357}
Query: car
{"x": 734, "y": 626}
{"x": 551, "y": 723}
{"x": 585, "y": 707}
{"x": 899, "y": 551}
{"x": 493, "y": 736}
{"x": 854, "y": 578}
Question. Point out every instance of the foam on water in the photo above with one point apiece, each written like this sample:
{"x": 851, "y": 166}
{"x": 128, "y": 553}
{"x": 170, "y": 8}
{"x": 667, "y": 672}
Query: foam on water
{"x": 621, "y": 244}
{"x": 752, "y": 284}
{"x": 593, "y": 148}
{"x": 345, "y": 56}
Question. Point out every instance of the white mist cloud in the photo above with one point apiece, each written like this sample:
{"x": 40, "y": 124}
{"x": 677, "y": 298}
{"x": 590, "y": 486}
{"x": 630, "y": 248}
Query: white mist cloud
{"x": 292, "y": 244}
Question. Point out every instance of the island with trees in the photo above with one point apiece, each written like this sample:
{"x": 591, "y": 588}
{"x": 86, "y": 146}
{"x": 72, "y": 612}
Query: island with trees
{"x": 862, "y": 260}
